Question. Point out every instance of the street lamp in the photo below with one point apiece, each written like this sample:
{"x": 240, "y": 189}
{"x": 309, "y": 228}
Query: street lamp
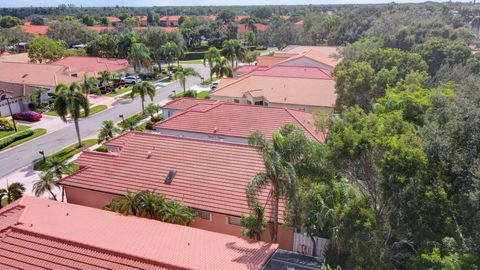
{"x": 11, "y": 113}
{"x": 43, "y": 155}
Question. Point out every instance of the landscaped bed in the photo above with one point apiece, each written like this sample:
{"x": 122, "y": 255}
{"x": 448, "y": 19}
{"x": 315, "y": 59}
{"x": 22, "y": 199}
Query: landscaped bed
{"x": 120, "y": 91}
{"x": 5, "y": 133}
{"x": 200, "y": 95}
{"x": 65, "y": 153}
{"x": 21, "y": 137}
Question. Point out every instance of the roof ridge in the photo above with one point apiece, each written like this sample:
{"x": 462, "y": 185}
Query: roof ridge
{"x": 314, "y": 135}
{"x": 18, "y": 229}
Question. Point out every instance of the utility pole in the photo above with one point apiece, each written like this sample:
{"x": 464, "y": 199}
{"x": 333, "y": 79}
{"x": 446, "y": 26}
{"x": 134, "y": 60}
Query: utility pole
{"x": 11, "y": 113}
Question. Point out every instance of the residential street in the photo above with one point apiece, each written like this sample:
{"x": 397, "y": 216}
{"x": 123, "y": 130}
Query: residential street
{"x": 24, "y": 154}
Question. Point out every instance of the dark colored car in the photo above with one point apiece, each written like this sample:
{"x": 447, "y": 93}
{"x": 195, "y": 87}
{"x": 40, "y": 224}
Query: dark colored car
{"x": 30, "y": 116}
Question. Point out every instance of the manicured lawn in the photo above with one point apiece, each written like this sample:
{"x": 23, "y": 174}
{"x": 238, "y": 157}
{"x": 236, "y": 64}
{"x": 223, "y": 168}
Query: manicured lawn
{"x": 36, "y": 133}
{"x": 93, "y": 110}
{"x": 201, "y": 95}
{"x": 4, "y": 133}
{"x": 191, "y": 62}
{"x": 65, "y": 153}
{"x": 120, "y": 91}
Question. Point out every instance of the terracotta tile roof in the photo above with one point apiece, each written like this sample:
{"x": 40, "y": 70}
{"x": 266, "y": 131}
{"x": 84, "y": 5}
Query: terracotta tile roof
{"x": 286, "y": 17}
{"x": 15, "y": 58}
{"x": 241, "y": 17}
{"x": 170, "y": 18}
{"x": 292, "y": 71}
{"x": 37, "y": 30}
{"x": 243, "y": 28}
{"x": 54, "y": 235}
{"x": 186, "y": 103}
{"x": 100, "y": 28}
{"x": 245, "y": 69}
{"x": 92, "y": 64}
{"x": 211, "y": 176}
{"x": 281, "y": 90}
{"x": 268, "y": 61}
{"x": 235, "y": 120}
{"x": 315, "y": 56}
{"x": 36, "y": 74}
{"x": 113, "y": 19}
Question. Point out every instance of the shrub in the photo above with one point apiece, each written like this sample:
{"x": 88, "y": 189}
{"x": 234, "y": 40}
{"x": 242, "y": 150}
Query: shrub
{"x": 194, "y": 56}
{"x": 5, "y": 124}
{"x": 190, "y": 93}
{"x": 16, "y": 137}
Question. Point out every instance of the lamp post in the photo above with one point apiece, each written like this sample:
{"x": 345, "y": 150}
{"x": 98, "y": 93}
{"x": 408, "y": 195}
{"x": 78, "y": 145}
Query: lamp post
{"x": 43, "y": 155}
{"x": 11, "y": 113}
{"x": 121, "y": 116}
{"x": 174, "y": 94}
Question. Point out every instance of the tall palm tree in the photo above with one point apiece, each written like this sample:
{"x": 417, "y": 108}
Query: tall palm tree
{"x": 143, "y": 89}
{"x": 210, "y": 56}
{"x": 105, "y": 77}
{"x": 57, "y": 166}
{"x": 88, "y": 84}
{"x": 139, "y": 57}
{"x": 13, "y": 192}
{"x": 182, "y": 75}
{"x": 279, "y": 175}
{"x": 234, "y": 51}
{"x": 36, "y": 96}
{"x": 70, "y": 101}
{"x": 221, "y": 68}
{"x": 168, "y": 51}
{"x": 179, "y": 53}
{"x": 46, "y": 183}
{"x": 107, "y": 131}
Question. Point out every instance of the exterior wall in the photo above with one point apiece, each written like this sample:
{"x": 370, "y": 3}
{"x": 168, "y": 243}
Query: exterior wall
{"x": 16, "y": 104}
{"x": 305, "y": 62}
{"x": 217, "y": 223}
{"x": 202, "y": 136}
{"x": 169, "y": 112}
{"x": 88, "y": 197}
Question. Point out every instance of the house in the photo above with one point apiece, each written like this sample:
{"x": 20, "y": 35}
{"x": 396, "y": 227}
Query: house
{"x": 233, "y": 123}
{"x": 44, "y": 234}
{"x": 112, "y": 20}
{"x": 94, "y": 65}
{"x": 210, "y": 177}
{"x": 19, "y": 79}
{"x": 170, "y": 21}
{"x": 326, "y": 50}
{"x": 243, "y": 28}
{"x": 241, "y": 17}
{"x": 182, "y": 104}
{"x": 300, "y": 58}
{"x": 36, "y": 30}
{"x": 306, "y": 89}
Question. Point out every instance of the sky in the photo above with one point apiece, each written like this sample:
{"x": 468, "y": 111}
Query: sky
{"x": 103, "y": 3}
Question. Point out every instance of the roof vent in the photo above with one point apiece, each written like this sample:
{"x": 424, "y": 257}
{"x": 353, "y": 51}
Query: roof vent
{"x": 149, "y": 154}
{"x": 215, "y": 130}
{"x": 171, "y": 174}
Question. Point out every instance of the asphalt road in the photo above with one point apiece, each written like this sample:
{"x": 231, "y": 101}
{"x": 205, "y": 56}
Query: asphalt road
{"x": 26, "y": 153}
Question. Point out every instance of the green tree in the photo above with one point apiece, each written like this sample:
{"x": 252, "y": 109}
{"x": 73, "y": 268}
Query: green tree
{"x": 9, "y": 21}
{"x": 234, "y": 51}
{"x": 88, "y": 85}
{"x": 139, "y": 57}
{"x": 107, "y": 131}
{"x": 105, "y": 77}
{"x": 44, "y": 49}
{"x": 210, "y": 56}
{"x": 70, "y": 101}
{"x": 144, "y": 89}
{"x": 182, "y": 75}
{"x": 36, "y": 96}
{"x": 254, "y": 224}
{"x": 13, "y": 192}
{"x": 46, "y": 183}
{"x": 221, "y": 68}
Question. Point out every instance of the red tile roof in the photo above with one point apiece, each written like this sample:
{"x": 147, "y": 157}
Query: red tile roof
{"x": 268, "y": 61}
{"x": 93, "y": 64}
{"x": 100, "y": 28}
{"x": 292, "y": 71}
{"x": 211, "y": 176}
{"x": 54, "y": 235}
{"x": 113, "y": 19}
{"x": 245, "y": 69}
{"x": 185, "y": 103}
{"x": 241, "y": 17}
{"x": 37, "y": 30}
{"x": 242, "y": 28}
{"x": 170, "y": 18}
{"x": 235, "y": 120}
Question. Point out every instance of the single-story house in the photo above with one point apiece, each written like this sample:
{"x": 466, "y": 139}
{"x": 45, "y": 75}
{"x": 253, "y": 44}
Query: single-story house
{"x": 209, "y": 177}
{"x": 113, "y": 20}
{"x": 243, "y": 28}
{"x": 307, "y": 58}
{"x": 19, "y": 79}
{"x": 170, "y": 21}
{"x": 233, "y": 123}
{"x": 44, "y": 234}
{"x": 94, "y": 65}
{"x": 182, "y": 104}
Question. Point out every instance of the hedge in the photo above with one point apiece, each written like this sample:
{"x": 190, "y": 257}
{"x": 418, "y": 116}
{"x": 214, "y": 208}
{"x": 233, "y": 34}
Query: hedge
{"x": 194, "y": 55}
{"x": 16, "y": 137}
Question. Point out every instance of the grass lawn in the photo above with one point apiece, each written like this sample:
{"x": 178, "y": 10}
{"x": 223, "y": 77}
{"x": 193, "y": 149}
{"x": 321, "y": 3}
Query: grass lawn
{"x": 4, "y": 133}
{"x": 208, "y": 81}
{"x": 201, "y": 95}
{"x": 36, "y": 133}
{"x": 120, "y": 91}
{"x": 65, "y": 153}
{"x": 191, "y": 62}
{"x": 93, "y": 110}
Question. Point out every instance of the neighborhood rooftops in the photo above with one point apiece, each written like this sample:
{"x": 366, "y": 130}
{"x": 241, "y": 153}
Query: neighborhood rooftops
{"x": 37, "y": 30}
{"x": 92, "y": 64}
{"x": 210, "y": 176}
{"x": 229, "y": 119}
{"x": 185, "y": 103}
{"x": 44, "y": 234}
{"x": 287, "y": 71}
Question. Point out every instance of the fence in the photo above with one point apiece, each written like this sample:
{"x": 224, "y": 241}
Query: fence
{"x": 302, "y": 243}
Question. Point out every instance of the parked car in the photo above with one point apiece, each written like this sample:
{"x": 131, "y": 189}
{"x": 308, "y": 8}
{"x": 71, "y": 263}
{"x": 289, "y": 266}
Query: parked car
{"x": 30, "y": 116}
{"x": 131, "y": 79}
{"x": 214, "y": 85}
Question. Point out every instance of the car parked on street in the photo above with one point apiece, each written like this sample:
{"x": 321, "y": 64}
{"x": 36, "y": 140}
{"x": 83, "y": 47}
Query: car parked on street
{"x": 131, "y": 80}
{"x": 30, "y": 116}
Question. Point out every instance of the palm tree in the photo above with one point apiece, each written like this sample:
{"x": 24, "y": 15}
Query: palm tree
{"x": 70, "y": 100}
{"x": 57, "y": 166}
{"x": 105, "y": 77}
{"x": 45, "y": 184}
{"x": 139, "y": 57}
{"x": 279, "y": 174}
{"x": 143, "y": 89}
{"x": 221, "y": 68}
{"x": 210, "y": 56}
{"x": 233, "y": 50}
{"x": 13, "y": 192}
{"x": 177, "y": 213}
{"x": 182, "y": 75}
{"x": 168, "y": 51}
{"x": 107, "y": 131}
{"x": 36, "y": 96}
{"x": 88, "y": 84}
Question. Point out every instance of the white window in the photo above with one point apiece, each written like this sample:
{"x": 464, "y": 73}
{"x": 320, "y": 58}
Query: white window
{"x": 233, "y": 220}
{"x": 204, "y": 214}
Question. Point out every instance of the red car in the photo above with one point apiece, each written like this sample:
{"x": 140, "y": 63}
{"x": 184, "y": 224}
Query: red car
{"x": 30, "y": 116}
